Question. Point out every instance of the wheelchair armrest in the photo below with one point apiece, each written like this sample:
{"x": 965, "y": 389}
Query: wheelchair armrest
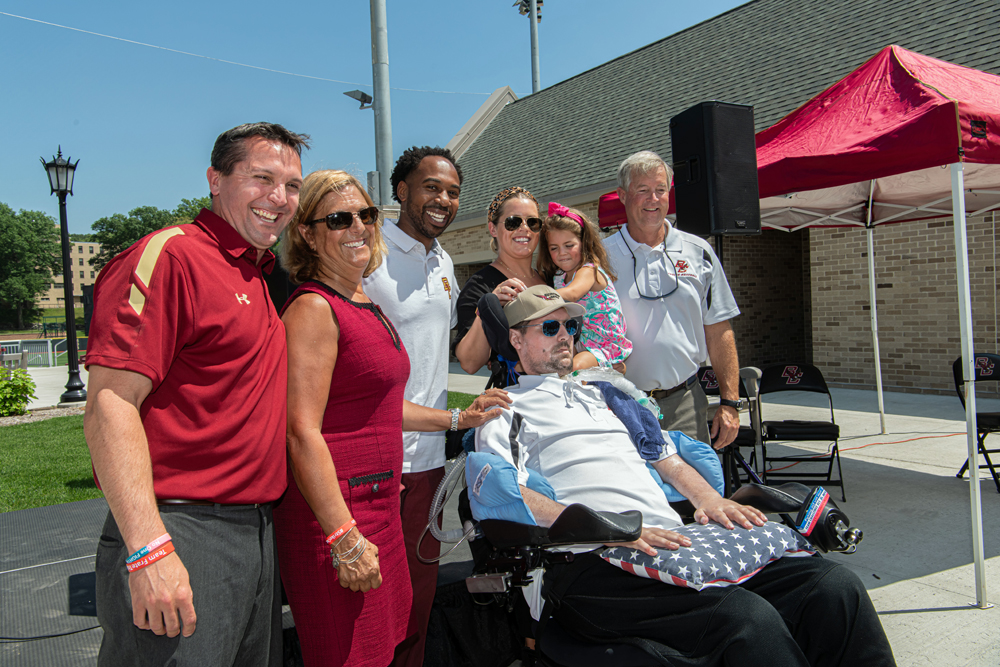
{"x": 580, "y": 524}
{"x": 772, "y": 499}
{"x": 577, "y": 524}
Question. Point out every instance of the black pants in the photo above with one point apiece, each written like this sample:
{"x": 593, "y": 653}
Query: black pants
{"x": 796, "y": 611}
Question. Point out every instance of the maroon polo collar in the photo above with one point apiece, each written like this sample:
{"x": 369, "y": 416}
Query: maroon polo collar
{"x": 230, "y": 240}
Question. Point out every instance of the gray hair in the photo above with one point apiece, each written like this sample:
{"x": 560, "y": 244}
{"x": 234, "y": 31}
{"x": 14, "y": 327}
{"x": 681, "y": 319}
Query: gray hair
{"x": 643, "y": 162}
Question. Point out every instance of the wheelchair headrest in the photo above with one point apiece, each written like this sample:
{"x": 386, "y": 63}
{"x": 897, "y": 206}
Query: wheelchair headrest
{"x": 495, "y": 326}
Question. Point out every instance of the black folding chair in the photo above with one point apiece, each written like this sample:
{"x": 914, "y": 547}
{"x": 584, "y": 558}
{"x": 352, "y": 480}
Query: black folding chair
{"x": 987, "y": 368}
{"x": 748, "y": 436}
{"x": 800, "y": 377}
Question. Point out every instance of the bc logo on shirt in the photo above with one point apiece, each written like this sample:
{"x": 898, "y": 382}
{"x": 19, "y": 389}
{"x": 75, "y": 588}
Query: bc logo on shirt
{"x": 243, "y": 299}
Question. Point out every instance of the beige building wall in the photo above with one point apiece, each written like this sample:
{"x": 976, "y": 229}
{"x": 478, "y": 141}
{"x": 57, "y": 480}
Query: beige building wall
{"x": 917, "y": 303}
{"x": 81, "y": 253}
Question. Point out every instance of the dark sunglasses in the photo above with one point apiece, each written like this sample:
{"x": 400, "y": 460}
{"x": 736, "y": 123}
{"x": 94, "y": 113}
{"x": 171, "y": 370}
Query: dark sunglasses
{"x": 551, "y": 327}
{"x": 515, "y": 221}
{"x": 344, "y": 219}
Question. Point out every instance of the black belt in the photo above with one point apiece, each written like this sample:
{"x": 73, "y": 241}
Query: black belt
{"x": 174, "y": 502}
{"x": 660, "y": 394}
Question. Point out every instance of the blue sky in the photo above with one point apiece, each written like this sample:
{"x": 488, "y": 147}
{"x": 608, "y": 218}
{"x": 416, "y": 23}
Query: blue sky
{"x": 142, "y": 120}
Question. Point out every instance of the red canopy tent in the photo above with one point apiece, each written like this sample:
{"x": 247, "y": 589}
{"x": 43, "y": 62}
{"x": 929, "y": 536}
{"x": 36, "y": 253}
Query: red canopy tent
{"x": 894, "y": 140}
{"x": 902, "y": 137}
{"x": 884, "y": 133}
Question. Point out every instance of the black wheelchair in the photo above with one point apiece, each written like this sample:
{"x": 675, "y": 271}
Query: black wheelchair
{"x": 507, "y": 555}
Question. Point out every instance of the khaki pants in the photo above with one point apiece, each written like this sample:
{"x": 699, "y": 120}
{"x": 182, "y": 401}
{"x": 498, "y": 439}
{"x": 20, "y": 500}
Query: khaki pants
{"x": 686, "y": 411}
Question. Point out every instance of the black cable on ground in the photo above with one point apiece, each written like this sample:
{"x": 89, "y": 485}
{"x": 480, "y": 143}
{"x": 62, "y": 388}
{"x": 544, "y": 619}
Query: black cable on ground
{"x": 14, "y": 640}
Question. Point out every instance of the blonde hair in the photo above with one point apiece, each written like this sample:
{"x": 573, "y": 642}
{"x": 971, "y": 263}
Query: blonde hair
{"x": 301, "y": 261}
{"x": 591, "y": 247}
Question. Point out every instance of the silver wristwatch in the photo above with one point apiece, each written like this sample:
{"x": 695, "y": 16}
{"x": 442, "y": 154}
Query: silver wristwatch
{"x": 455, "y": 413}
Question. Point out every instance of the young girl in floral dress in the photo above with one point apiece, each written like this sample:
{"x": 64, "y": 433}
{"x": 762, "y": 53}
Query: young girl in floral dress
{"x": 573, "y": 260}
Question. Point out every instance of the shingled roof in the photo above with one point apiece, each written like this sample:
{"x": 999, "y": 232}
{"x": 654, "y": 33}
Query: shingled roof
{"x": 775, "y": 54}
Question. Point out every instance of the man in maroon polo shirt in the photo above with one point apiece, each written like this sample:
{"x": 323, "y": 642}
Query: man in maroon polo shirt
{"x": 185, "y": 420}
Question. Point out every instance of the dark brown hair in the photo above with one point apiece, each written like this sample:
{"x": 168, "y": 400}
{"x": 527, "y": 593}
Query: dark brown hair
{"x": 591, "y": 247}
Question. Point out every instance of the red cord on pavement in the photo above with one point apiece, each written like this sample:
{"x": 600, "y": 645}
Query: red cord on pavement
{"x": 897, "y": 442}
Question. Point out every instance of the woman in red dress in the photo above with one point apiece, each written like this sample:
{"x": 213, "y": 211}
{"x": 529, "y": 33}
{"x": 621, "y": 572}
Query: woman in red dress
{"x": 340, "y": 542}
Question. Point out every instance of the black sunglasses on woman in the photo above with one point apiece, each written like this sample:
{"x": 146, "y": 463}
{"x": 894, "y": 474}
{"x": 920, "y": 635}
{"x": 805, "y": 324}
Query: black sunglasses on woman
{"x": 344, "y": 219}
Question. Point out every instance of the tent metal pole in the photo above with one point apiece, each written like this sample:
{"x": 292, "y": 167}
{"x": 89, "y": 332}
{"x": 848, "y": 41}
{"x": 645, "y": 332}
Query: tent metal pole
{"x": 871, "y": 307}
{"x": 968, "y": 371}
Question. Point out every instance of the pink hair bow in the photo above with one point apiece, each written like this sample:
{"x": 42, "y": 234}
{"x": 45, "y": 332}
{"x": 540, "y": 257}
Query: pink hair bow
{"x": 556, "y": 208}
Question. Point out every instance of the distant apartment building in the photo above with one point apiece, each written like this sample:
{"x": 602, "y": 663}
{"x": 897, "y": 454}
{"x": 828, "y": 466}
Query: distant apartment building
{"x": 81, "y": 253}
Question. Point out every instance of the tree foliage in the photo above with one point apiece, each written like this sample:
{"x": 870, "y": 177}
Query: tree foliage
{"x": 29, "y": 255}
{"x": 189, "y": 209}
{"x": 117, "y": 232}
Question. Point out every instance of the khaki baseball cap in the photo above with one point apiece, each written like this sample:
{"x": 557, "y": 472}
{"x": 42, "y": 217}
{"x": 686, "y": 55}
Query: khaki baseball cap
{"x": 538, "y": 301}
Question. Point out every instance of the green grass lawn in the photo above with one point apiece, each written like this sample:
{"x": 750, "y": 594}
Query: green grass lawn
{"x": 47, "y": 462}
{"x": 44, "y": 463}
{"x": 459, "y": 400}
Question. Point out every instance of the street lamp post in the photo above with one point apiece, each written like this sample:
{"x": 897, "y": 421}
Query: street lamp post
{"x": 61, "y": 172}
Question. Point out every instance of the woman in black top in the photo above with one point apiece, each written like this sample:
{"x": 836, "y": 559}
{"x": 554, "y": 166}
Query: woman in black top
{"x": 514, "y": 224}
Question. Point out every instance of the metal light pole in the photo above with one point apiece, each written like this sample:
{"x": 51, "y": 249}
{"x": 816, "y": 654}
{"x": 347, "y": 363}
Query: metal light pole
{"x": 383, "y": 117}
{"x": 61, "y": 172}
{"x": 373, "y": 182}
{"x": 531, "y": 8}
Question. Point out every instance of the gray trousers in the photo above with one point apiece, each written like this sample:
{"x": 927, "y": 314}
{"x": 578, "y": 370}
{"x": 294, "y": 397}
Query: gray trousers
{"x": 229, "y": 554}
{"x": 687, "y": 412}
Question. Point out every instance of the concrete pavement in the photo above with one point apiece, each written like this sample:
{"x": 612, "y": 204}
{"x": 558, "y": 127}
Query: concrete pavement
{"x": 50, "y": 384}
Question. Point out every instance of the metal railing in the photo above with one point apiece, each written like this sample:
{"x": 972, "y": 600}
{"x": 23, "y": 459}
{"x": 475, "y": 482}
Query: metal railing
{"x": 42, "y": 353}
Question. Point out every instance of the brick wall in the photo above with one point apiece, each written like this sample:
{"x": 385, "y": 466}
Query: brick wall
{"x": 769, "y": 276}
{"x": 462, "y": 241}
{"x": 917, "y": 302}
{"x": 463, "y": 271}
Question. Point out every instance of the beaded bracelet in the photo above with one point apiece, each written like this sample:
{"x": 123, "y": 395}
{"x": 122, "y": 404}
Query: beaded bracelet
{"x": 158, "y": 542}
{"x": 151, "y": 557}
{"x": 340, "y": 531}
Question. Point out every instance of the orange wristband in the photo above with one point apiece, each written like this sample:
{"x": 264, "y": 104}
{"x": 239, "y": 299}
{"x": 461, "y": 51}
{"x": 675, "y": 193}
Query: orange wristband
{"x": 340, "y": 531}
{"x": 151, "y": 557}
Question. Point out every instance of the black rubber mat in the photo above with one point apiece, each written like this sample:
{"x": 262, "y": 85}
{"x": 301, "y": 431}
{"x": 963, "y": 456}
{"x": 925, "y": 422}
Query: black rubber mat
{"x": 47, "y": 584}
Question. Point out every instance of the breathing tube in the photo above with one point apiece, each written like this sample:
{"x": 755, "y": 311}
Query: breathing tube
{"x": 441, "y": 495}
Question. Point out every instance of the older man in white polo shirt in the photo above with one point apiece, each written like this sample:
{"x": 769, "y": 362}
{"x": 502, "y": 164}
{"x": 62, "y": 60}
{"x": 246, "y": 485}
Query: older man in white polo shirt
{"x": 415, "y": 286}
{"x": 677, "y": 304}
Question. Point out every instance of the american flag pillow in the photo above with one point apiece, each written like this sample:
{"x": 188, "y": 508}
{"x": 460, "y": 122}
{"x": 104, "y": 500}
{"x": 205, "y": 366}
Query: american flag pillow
{"x": 716, "y": 557}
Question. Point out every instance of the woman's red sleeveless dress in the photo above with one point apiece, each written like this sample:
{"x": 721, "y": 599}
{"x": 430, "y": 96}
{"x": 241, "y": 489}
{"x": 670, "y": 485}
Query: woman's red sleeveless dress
{"x": 362, "y": 426}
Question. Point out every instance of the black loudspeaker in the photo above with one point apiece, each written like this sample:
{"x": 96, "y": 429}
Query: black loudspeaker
{"x": 715, "y": 169}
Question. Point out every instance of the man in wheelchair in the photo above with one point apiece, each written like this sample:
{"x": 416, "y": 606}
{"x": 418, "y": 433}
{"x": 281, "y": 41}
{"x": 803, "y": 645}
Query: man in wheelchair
{"x": 793, "y": 611}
